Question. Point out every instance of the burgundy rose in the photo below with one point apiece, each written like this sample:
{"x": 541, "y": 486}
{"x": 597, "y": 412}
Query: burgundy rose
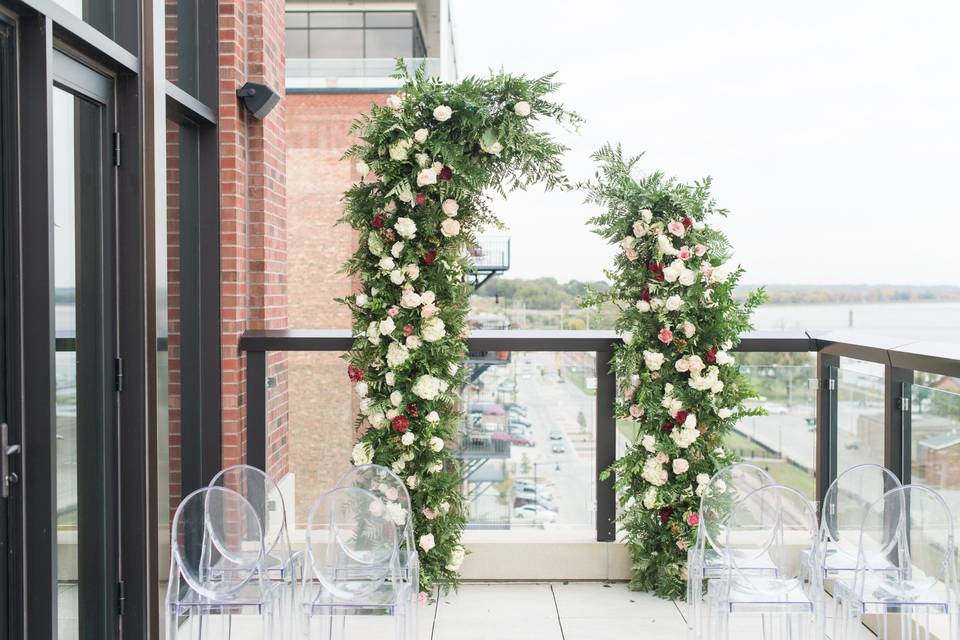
{"x": 665, "y": 514}
{"x": 421, "y": 198}
{"x": 356, "y": 375}
{"x": 712, "y": 354}
{"x": 681, "y": 417}
{"x": 654, "y": 267}
{"x": 667, "y": 426}
{"x": 412, "y": 409}
{"x": 377, "y": 221}
{"x": 430, "y": 257}
{"x": 645, "y": 296}
{"x": 445, "y": 174}
{"x": 400, "y": 423}
{"x": 687, "y": 223}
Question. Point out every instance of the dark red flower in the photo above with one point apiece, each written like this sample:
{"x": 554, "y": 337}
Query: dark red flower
{"x": 654, "y": 267}
{"x": 421, "y": 198}
{"x": 400, "y": 423}
{"x": 408, "y": 329}
{"x": 687, "y": 223}
{"x": 665, "y": 514}
{"x": 645, "y": 295}
{"x": 430, "y": 257}
{"x": 681, "y": 417}
{"x": 377, "y": 221}
{"x": 712, "y": 354}
{"x": 445, "y": 174}
{"x": 660, "y": 277}
{"x": 356, "y": 375}
{"x": 412, "y": 409}
{"x": 667, "y": 426}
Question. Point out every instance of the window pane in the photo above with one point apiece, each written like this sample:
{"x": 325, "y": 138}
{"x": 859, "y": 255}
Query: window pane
{"x": 859, "y": 414}
{"x": 181, "y": 44}
{"x": 97, "y": 13}
{"x": 297, "y": 19}
{"x": 336, "y": 43}
{"x": 332, "y": 19}
{"x": 297, "y": 43}
{"x": 389, "y": 43}
{"x": 389, "y": 19}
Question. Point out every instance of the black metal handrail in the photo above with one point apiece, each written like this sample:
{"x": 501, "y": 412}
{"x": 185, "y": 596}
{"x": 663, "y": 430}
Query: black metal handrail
{"x": 900, "y": 359}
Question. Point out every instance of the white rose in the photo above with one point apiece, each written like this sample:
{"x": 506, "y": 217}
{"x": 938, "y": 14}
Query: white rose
{"x": 444, "y": 507}
{"x": 425, "y": 177}
{"x": 442, "y": 113}
{"x": 396, "y": 249}
{"x": 629, "y": 242}
{"x": 400, "y": 150}
{"x": 412, "y": 271}
{"x": 703, "y": 478}
{"x": 494, "y": 148}
{"x": 690, "y": 422}
{"x": 426, "y": 541}
{"x": 639, "y": 229}
{"x": 396, "y": 513}
{"x": 673, "y": 303}
{"x": 428, "y": 297}
{"x": 412, "y": 342}
{"x": 375, "y": 244}
{"x": 449, "y": 228}
{"x": 646, "y": 214}
{"x": 406, "y": 227}
{"x": 434, "y": 329}
{"x": 361, "y": 299}
{"x": 649, "y": 443}
{"x": 397, "y": 354}
{"x": 375, "y": 508}
{"x": 688, "y": 329}
{"x": 390, "y": 378}
{"x": 436, "y": 467}
{"x": 452, "y": 369}
{"x": 687, "y": 277}
{"x": 395, "y": 102}
{"x": 724, "y": 413}
{"x": 387, "y": 326}
{"x": 643, "y": 306}
{"x": 650, "y": 497}
{"x": 436, "y": 444}
{"x": 377, "y": 420}
{"x": 426, "y": 387}
{"x": 386, "y": 263}
{"x": 396, "y": 276}
{"x": 522, "y": 108}
{"x": 410, "y": 299}
{"x": 666, "y": 246}
{"x": 456, "y": 558}
{"x": 716, "y": 387}
{"x": 719, "y": 274}
{"x": 407, "y": 438}
{"x": 433, "y": 417}
{"x": 404, "y": 194}
{"x": 396, "y": 398}
{"x": 450, "y": 207}
{"x": 627, "y": 337}
{"x": 653, "y": 360}
{"x": 362, "y": 389}
{"x": 373, "y": 332}
{"x": 413, "y": 482}
{"x": 362, "y": 168}
{"x": 724, "y": 358}
{"x": 362, "y": 453}
{"x": 397, "y": 467}
{"x": 680, "y": 465}
{"x": 656, "y": 303}
{"x": 390, "y": 207}
{"x": 420, "y": 135}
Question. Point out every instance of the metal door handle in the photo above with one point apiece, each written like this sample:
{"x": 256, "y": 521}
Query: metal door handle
{"x": 7, "y": 477}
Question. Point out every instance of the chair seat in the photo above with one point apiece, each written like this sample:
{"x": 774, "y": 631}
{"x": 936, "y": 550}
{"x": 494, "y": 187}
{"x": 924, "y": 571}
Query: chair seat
{"x": 835, "y": 562}
{"x": 884, "y": 596}
{"x": 252, "y": 596}
{"x": 715, "y": 565}
{"x": 385, "y": 600}
{"x": 759, "y": 595}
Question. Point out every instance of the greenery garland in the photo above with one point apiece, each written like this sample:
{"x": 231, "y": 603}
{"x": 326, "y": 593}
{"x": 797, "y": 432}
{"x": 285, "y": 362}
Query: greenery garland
{"x": 425, "y": 161}
{"x": 678, "y": 386}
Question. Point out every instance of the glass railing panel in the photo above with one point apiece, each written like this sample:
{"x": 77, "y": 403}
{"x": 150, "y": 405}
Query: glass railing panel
{"x": 351, "y": 73}
{"x": 783, "y": 442}
{"x": 860, "y": 430}
{"x": 528, "y": 443}
{"x": 935, "y": 435}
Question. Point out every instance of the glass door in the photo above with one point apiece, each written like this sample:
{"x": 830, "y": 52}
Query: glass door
{"x": 84, "y": 314}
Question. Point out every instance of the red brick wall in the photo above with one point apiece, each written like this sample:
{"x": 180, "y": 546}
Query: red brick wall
{"x": 321, "y": 416}
{"x": 253, "y": 232}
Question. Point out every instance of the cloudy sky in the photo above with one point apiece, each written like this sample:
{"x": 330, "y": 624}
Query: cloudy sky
{"x": 831, "y": 129}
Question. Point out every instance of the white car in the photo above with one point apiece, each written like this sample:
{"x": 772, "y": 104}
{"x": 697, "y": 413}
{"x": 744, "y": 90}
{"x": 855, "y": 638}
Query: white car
{"x": 535, "y": 513}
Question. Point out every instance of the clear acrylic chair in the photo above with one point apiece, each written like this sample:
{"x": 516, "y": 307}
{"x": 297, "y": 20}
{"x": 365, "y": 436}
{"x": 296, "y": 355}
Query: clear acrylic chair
{"x": 280, "y": 564}
{"x": 846, "y": 501}
{"x": 704, "y": 558}
{"x": 387, "y": 486}
{"x": 215, "y": 569}
{"x": 773, "y": 524}
{"x": 352, "y": 567}
{"x": 913, "y": 527}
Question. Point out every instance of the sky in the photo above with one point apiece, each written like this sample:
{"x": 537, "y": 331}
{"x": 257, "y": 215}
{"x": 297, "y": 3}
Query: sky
{"x": 831, "y": 129}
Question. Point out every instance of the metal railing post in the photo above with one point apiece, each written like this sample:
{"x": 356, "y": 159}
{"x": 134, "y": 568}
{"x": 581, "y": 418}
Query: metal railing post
{"x": 606, "y": 452}
{"x": 826, "y": 447}
{"x": 257, "y": 409}
{"x": 897, "y": 388}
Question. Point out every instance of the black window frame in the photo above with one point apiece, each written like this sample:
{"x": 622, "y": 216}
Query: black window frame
{"x": 418, "y": 48}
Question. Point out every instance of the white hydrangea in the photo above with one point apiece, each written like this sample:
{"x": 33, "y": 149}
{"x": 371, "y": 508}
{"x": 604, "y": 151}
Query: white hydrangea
{"x": 522, "y": 108}
{"x": 406, "y": 227}
{"x": 457, "y": 554}
{"x": 653, "y": 360}
{"x": 433, "y": 330}
{"x": 390, "y": 377}
{"x": 386, "y": 263}
{"x": 650, "y": 497}
{"x": 724, "y": 413}
{"x": 362, "y": 389}
{"x": 396, "y": 249}
{"x": 362, "y": 453}
{"x": 397, "y": 354}
{"x": 396, "y": 513}
{"x": 407, "y": 438}
{"x": 724, "y": 358}
{"x": 426, "y": 387}
{"x": 649, "y": 443}
{"x": 684, "y": 437}
{"x": 433, "y": 417}
{"x": 400, "y": 150}
{"x": 654, "y": 473}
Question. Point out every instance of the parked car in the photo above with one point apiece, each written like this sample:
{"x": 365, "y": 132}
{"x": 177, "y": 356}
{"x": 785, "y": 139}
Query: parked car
{"x": 521, "y": 441}
{"x": 507, "y": 387}
{"x": 518, "y": 429}
{"x": 513, "y": 407}
{"x": 517, "y": 419}
{"x": 556, "y": 435}
{"x": 536, "y": 492}
{"x": 519, "y": 483}
{"x": 559, "y": 447}
{"x": 535, "y": 512}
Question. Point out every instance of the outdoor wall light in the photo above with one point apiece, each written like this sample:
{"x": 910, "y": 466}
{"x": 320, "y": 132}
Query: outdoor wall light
{"x": 259, "y": 99}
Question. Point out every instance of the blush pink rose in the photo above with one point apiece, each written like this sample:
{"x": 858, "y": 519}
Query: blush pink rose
{"x": 676, "y": 228}
{"x": 699, "y": 249}
{"x": 693, "y": 519}
{"x": 631, "y": 253}
{"x": 635, "y": 411}
{"x": 662, "y": 458}
{"x": 393, "y": 311}
{"x": 683, "y": 252}
{"x": 665, "y": 336}
{"x": 682, "y": 365}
